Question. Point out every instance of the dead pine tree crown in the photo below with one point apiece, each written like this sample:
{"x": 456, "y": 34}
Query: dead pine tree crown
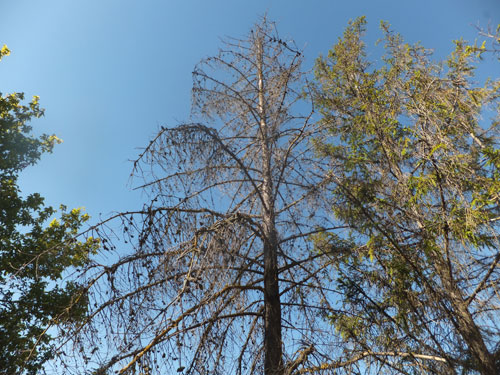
{"x": 221, "y": 276}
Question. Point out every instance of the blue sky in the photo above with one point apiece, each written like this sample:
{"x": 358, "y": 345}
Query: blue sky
{"x": 110, "y": 72}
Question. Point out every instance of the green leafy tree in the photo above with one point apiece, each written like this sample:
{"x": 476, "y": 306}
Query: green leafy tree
{"x": 33, "y": 255}
{"x": 414, "y": 151}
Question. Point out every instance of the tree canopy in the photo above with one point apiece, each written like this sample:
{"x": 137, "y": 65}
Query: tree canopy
{"x": 33, "y": 255}
{"x": 414, "y": 152}
{"x": 343, "y": 224}
{"x": 220, "y": 277}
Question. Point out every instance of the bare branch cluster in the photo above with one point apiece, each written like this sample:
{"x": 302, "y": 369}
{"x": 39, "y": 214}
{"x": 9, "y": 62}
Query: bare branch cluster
{"x": 233, "y": 196}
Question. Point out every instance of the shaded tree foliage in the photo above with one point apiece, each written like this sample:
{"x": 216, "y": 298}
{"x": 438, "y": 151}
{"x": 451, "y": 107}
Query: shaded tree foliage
{"x": 219, "y": 277}
{"x": 33, "y": 255}
{"x": 415, "y": 156}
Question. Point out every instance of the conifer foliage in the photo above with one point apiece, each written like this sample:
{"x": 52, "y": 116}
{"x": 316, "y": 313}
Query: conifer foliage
{"x": 415, "y": 154}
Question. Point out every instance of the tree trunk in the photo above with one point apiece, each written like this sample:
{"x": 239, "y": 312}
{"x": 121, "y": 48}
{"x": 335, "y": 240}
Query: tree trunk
{"x": 466, "y": 324}
{"x": 273, "y": 362}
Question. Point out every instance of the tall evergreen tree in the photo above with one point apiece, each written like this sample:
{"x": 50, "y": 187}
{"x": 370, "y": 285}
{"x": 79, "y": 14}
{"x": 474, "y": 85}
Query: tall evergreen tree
{"x": 415, "y": 154}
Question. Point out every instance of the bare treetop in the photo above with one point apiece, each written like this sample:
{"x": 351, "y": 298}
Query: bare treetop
{"x": 220, "y": 278}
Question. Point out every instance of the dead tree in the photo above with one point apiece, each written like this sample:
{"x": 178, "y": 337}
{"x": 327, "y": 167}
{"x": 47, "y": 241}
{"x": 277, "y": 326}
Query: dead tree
{"x": 220, "y": 277}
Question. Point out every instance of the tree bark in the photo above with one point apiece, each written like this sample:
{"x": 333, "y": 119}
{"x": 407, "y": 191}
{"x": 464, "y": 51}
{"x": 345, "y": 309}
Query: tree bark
{"x": 273, "y": 361}
{"x": 466, "y": 324}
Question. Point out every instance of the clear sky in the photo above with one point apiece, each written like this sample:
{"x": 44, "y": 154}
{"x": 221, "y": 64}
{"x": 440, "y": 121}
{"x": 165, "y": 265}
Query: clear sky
{"x": 110, "y": 72}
